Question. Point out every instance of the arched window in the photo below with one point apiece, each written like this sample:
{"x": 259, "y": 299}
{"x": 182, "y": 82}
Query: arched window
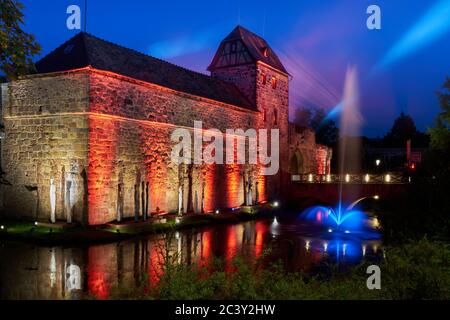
{"x": 274, "y": 83}
{"x": 264, "y": 79}
{"x": 275, "y": 117}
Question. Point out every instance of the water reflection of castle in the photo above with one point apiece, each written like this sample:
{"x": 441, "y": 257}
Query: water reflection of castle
{"x": 70, "y": 273}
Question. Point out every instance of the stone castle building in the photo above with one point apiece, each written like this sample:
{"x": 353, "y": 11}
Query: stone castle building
{"x": 87, "y": 138}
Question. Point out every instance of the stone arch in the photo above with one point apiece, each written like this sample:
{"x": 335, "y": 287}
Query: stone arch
{"x": 296, "y": 163}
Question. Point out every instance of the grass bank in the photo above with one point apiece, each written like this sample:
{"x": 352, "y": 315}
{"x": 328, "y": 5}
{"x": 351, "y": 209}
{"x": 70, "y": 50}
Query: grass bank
{"x": 77, "y": 234}
{"x": 414, "y": 270}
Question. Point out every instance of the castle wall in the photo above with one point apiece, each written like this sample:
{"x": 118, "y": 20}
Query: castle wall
{"x": 305, "y": 155}
{"x": 46, "y": 135}
{"x": 130, "y": 127}
{"x": 104, "y": 139}
{"x": 243, "y": 76}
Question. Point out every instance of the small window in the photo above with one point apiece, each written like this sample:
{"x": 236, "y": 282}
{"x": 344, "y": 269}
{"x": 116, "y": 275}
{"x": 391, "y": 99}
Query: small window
{"x": 274, "y": 83}
{"x": 264, "y": 79}
{"x": 264, "y": 115}
{"x": 233, "y": 47}
{"x": 265, "y": 52}
{"x": 275, "y": 117}
{"x": 68, "y": 49}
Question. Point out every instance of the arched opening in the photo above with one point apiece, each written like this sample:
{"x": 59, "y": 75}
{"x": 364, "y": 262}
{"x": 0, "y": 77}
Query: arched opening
{"x": 296, "y": 166}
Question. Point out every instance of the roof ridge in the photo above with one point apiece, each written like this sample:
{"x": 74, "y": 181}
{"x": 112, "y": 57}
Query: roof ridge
{"x": 149, "y": 56}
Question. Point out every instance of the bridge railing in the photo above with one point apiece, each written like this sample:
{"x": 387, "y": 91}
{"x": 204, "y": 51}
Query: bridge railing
{"x": 387, "y": 178}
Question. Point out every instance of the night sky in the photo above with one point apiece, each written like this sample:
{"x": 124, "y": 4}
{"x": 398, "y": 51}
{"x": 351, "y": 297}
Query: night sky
{"x": 399, "y": 67}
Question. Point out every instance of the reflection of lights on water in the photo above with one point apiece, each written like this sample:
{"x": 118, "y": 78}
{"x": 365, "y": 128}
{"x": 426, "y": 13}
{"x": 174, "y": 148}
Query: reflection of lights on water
{"x": 344, "y": 249}
{"x": 325, "y": 246}
{"x": 307, "y": 245}
{"x": 275, "y": 221}
{"x": 364, "y": 250}
{"x": 177, "y": 220}
{"x": 52, "y": 268}
{"x": 73, "y": 280}
{"x": 375, "y": 223}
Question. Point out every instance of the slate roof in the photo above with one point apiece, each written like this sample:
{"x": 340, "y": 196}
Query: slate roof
{"x": 255, "y": 46}
{"x": 87, "y": 50}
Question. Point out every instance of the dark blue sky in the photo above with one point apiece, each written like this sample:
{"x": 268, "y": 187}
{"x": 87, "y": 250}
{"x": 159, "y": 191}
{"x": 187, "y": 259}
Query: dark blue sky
{"x": 399, "y": 67}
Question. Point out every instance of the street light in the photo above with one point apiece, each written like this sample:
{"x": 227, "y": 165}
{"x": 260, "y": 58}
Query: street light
{"x": 377, "y": 162}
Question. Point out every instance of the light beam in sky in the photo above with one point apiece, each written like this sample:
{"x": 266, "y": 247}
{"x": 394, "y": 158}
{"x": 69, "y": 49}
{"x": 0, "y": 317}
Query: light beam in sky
{"x": 433, "y": 24}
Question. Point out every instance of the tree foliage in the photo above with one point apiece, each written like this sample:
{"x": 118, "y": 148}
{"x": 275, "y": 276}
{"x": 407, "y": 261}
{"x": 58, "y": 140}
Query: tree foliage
{"x": 326, "y": 131}
{"x": 402, "y": 130}
{"x": 440, "y": 134}
{"x": 17, "y": 48}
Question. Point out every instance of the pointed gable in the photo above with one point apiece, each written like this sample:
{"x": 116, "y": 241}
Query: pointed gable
{"x": 242, "y": 46}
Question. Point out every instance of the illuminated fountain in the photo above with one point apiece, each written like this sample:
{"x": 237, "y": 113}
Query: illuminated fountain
{"x": 346, "y": 221}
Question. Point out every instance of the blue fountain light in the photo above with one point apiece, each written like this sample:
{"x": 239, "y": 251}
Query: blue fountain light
{"x": 335, "y": 219}
{"x": 340, "y": 223}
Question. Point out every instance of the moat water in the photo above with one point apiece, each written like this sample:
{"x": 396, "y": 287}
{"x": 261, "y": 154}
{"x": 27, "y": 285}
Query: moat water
{"x": 62, "y": 272}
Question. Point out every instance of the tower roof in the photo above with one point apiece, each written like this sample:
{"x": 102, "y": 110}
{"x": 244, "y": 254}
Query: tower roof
{"x": 256, "y": 49}
{"x": 85, "y": 50}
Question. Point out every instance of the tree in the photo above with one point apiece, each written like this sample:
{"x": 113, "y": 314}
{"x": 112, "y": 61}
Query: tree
{"x": 440, "y": 134}
{"x": 17, "y": 48}
{"x": 302, "y": 117}
{"x": 326, "y": 131}
{"x": 403, "y": 130}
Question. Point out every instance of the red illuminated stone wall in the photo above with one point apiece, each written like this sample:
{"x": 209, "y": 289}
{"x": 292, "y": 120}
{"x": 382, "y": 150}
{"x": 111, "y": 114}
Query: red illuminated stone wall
{"x": 130, "y": 126}
{"x": 99, "y": 130}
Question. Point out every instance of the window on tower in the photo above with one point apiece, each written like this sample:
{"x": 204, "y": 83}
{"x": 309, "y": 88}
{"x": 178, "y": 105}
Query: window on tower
{"x": 264, "y": 79}
{"x": 233, "y": 47}
{"x": 274, "y": 83}
{"x": 264, "y": 115}
{"x": 275, "y": 117}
